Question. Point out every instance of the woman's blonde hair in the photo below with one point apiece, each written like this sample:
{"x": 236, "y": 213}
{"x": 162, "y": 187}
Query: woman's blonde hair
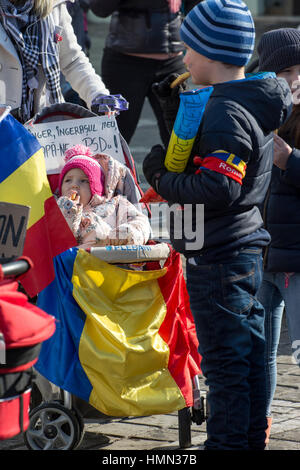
{"x": 42, "y": 8}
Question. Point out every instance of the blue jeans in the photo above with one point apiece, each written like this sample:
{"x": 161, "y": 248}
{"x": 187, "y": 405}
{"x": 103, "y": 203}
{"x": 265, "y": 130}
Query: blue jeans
{"x": 279, "y": 291}
{"x": 230, "y": 329}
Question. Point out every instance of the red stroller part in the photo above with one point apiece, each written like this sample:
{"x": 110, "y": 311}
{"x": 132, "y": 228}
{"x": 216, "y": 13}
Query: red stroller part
{"x": 23, "y": 327}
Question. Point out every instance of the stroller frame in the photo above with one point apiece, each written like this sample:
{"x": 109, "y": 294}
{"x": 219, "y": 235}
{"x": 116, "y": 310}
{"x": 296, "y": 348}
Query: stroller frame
{"x": 58, "y": 423}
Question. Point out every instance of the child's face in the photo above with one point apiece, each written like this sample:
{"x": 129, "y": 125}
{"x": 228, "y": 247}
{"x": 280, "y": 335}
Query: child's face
{"x": 76, "y": 181}
{"x": 292, "y": 76}
{"x": 199, "y": 66}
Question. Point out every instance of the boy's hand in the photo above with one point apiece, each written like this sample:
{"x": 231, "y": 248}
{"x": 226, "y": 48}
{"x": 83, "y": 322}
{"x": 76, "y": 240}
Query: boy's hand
{"x": 282, "y": 151}
{"x": 154, "y": 166}
{"x": 169, "y": 98}
{"x": 163, "y": 89}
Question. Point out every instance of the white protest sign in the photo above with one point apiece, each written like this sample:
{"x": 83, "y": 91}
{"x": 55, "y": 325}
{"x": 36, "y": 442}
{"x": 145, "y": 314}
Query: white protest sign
{"x": 100, "y": 134}
{"x": 13, "y": 226}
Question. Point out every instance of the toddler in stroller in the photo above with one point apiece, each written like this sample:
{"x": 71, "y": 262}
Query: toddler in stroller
{"x": 88, "y": 202}
{"x": 125, "y": 342}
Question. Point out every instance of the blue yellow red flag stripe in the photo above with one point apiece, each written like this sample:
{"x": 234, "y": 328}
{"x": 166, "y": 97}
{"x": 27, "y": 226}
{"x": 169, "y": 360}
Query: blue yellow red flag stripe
{"x": 16, "y": 146}
{"x": 23, "y": 180}
{"x": 231, "y": 159}
{"x": 223, "y": 162}
{"x": 126, "y": 347}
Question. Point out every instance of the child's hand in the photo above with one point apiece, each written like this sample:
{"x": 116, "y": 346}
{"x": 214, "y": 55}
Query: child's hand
{"x": 114, "y": 241}
{"x": 74, "y": 196}
{"x": 85, "y": 222}
{"x": 282, "y": 152}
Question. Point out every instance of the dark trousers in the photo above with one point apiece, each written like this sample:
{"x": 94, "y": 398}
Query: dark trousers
{"x": 133, "y": 77}
{"x": 230, "y": 328}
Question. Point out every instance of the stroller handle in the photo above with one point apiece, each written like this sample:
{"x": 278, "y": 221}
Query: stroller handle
{"x": 15, "y": 268}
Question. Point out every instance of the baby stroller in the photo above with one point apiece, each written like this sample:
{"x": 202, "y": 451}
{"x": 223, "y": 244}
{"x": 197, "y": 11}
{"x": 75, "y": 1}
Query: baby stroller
{"x": 124, "y": 348}
{"x": 23, "y": 327}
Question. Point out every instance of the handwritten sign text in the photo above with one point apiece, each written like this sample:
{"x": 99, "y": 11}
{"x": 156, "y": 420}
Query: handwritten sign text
{"x": 99, "y": 133}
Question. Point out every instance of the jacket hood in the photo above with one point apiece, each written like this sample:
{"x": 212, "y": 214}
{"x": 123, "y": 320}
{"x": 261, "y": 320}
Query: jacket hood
{"x": 266, "y": 97}
{"x": 115, "y": 174}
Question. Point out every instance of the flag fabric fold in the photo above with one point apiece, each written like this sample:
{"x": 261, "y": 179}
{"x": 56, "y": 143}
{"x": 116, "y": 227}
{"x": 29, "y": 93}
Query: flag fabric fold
{"x": 23, "y": 180}
{"x": 125, "y": 340}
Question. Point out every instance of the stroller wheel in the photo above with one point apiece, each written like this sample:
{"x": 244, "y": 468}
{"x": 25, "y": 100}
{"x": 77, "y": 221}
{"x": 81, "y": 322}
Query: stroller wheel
{"x": 53, "y": 427}
{"x": 80, "y": 428}
{"x": 184, "y": 428}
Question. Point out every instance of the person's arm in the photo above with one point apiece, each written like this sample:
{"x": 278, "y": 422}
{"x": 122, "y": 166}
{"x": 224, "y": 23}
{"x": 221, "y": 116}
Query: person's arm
{"x": 288, "y": 160}
{"x": 72, "y": 212}
{"x": 94, "y": 231}
{"x": 291, "y": 174}
{"x": 213, "y": 189}
{"x": 104, "y": 8}
{"x": 74, "y": 64}
{"x": 217, "y": 183}
{"x": 133, "y": 227}
{"x": 169, "y": 98}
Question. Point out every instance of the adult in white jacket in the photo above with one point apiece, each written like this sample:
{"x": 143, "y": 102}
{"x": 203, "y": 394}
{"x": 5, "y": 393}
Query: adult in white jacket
{"x": 37, "y": 42}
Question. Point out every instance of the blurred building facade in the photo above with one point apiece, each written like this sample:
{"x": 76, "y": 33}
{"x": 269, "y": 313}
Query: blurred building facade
{"x": 274, "y": 7}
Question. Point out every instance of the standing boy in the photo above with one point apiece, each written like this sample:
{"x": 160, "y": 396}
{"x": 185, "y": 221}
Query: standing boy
{"x": 230, "y": 178}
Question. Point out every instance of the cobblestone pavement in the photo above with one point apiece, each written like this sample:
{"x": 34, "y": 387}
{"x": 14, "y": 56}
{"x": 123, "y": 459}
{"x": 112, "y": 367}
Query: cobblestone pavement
{"x": 160, "y": 432}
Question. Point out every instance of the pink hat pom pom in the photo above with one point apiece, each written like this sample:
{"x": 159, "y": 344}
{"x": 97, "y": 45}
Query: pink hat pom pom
{"x": 78, "y": 149}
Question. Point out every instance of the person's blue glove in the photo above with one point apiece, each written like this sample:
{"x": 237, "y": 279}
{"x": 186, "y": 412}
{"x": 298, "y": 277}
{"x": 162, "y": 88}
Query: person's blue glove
{"x": 104, "y": 103}
{"x": 154, "y": 166}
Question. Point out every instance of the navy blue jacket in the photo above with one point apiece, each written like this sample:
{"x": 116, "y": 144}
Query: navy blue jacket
{"x": 239, "y": 118}
{"x": 282, "y": 217}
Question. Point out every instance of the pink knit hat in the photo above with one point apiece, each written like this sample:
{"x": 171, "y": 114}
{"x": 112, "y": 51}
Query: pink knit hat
{"x": 81, "y": 157}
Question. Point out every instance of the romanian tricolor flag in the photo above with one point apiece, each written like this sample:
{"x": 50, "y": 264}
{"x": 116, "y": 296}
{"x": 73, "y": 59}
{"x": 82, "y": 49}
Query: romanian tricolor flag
{"x": 223, "y": 162}
{"x": 23, "y": 180}
{"x": 125, "y": 341}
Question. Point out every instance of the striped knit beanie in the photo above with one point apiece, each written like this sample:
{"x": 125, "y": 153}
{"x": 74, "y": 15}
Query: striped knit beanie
{"x": 221, "y": 30}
